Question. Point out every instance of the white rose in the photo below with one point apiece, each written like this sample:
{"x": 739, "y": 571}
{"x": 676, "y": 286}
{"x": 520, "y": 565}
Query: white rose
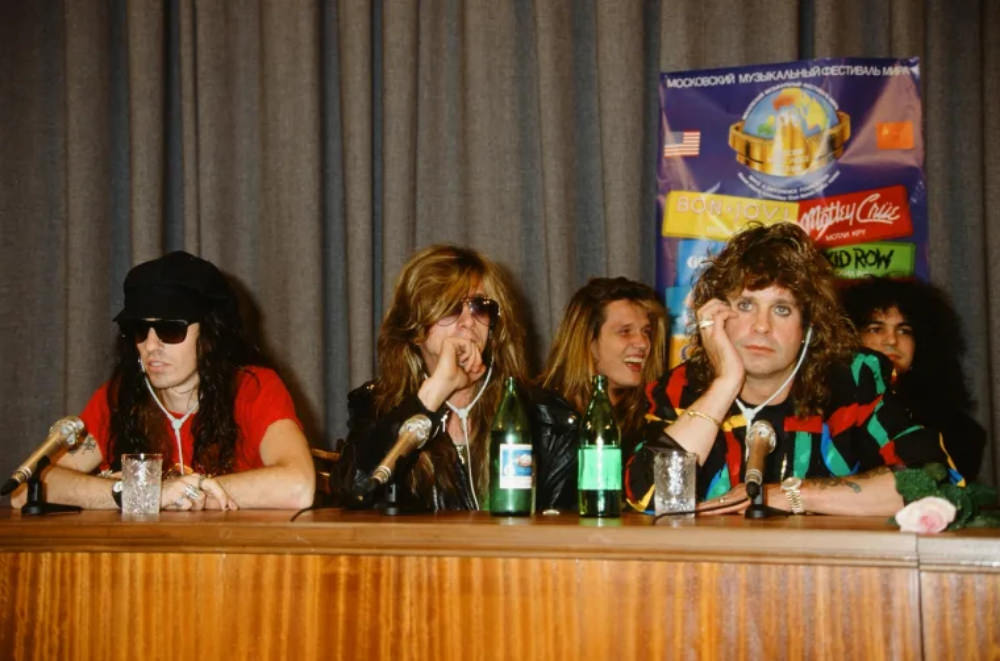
{"x": 927, "y": 515}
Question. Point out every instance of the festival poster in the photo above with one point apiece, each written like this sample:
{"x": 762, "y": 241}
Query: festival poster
{"x": 834, "y": 145}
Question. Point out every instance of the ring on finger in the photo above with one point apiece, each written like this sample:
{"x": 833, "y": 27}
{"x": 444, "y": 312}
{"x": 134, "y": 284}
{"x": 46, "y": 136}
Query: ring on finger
{"x": 705, "y": 323}
{"x": 179, "y": 503}
{"x": 722, "y": 501}
{"x": 192, "y": 492}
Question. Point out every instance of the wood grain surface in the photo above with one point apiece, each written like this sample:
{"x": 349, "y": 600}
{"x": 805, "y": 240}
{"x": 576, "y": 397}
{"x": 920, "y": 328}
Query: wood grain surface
{"x": 337, "y": 585}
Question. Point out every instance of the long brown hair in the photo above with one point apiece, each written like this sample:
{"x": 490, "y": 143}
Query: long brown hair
{"x": 783, "y": 255}
{"x": 428, "y": 288}
{"x": 569, "y": 369}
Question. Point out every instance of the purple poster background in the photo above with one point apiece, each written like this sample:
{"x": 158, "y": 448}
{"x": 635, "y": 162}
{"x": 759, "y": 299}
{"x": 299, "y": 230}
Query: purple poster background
{"x": 863, "y": 114}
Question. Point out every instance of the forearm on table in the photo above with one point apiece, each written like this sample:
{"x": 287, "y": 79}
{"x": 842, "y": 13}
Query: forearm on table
{"x": 867, "y": 494}
{"x": 271, "y": 487}
{"x": 71, "y": 487}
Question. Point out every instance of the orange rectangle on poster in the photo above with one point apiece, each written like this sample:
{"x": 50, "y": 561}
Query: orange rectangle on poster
{"x": 894, "y": 135}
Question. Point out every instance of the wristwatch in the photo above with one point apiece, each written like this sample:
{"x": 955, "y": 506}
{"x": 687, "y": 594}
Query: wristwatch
{"x": 116, "y": 492}
{"x": 790, "y": 487}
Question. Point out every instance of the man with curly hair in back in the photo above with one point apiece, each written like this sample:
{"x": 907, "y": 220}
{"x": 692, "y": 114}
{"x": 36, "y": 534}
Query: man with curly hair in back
{"x": 771, "y": 343}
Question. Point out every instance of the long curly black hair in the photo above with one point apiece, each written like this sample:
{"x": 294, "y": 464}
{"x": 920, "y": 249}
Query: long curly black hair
{"x": 935, "y": 384}
{"x": 137, "y": 424}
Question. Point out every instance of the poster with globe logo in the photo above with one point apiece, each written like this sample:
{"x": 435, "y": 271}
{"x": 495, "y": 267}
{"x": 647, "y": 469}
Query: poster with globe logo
{"x": 833, "y": 145}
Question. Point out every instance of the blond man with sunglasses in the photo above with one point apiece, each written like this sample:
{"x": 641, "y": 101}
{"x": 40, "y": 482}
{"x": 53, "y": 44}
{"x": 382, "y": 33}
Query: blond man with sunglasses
{"x": 190, "y": 386}
{"x": 450, "y": 339}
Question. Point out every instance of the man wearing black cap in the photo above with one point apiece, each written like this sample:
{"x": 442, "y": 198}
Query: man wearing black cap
{"x": 189, "y": 385}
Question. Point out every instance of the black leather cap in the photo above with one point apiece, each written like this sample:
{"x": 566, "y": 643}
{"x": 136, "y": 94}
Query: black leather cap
{"x": 175, "y": 286}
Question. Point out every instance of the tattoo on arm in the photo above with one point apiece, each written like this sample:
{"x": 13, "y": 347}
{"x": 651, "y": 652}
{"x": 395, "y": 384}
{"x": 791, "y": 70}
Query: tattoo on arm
{"x": 831, "y": 482}
{"x": 88, "y": 445}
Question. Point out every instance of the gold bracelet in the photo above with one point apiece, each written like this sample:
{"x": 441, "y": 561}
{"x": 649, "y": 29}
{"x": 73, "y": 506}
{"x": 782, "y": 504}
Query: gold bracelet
{"x": 694, "y": 413}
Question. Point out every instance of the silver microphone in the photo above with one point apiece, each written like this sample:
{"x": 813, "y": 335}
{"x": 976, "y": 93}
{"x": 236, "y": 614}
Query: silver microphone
{"x": 760, "y": 442}
{"x": 413, "y": 434}
{"x": 64, "y": 433}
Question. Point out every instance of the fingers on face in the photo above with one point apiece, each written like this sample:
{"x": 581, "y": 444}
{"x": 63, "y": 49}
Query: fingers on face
{"x": 713, "y": 315}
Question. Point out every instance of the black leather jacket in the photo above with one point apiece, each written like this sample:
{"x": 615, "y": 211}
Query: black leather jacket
{"x": 369, "y": 438}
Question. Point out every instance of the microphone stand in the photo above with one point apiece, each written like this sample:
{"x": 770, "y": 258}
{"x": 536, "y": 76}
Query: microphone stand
{"x": 758, "y": 510}
{"x": 389, "y": 504}
{"x": 388, "y": 499}
{"x": 36, "y": 505}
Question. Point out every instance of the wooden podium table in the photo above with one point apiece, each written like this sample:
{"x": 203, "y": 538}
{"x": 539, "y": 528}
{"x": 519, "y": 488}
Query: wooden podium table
{"x": 358, "y": 585}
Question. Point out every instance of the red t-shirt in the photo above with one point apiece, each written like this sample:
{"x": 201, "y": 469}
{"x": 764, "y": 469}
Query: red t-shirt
{"x": 261, "y": 399}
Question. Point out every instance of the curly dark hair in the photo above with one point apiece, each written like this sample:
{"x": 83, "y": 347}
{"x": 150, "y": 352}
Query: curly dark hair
{"x": 783, "y": 255}
{"x": 935, "y": 384}
{"x": 224, "y": 348}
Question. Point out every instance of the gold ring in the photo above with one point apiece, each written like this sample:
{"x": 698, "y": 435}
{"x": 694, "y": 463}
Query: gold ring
{"x": 722, "y": 500}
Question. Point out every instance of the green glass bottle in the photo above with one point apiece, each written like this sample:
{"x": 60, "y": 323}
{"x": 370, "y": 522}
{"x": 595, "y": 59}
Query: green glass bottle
{"x": 599, "y": 477}
{"x": 512, "y": 466}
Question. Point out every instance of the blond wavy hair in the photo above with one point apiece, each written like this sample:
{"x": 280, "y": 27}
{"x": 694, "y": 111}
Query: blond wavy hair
{"x": 569, "y": 369}
{"x": 784, "y": 255}
{"x": 429, "y": 287}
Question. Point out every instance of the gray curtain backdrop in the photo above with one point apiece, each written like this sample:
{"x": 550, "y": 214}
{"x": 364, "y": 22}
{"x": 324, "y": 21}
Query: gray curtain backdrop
{"x": 309, "y": 147}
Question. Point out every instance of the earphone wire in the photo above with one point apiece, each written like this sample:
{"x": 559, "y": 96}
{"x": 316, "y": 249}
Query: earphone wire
{"x": 463, "y": 416}
{"x": 176, "y": 423}
{"x": 749, "y": 413}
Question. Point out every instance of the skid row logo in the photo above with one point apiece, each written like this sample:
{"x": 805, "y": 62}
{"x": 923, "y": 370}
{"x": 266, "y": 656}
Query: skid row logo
{"x": 878, "y": 259}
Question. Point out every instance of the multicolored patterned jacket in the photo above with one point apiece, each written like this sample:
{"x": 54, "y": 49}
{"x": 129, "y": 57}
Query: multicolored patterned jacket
{"x": 863, "y": 427}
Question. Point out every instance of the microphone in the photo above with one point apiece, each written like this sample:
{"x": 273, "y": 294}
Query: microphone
{"x": 761, "y": 440}
{"x": 62, "y": 434}
{"x": 412, "y": 435}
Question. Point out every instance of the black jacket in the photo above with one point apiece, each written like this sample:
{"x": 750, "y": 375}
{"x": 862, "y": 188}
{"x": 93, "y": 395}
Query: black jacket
{"x": 554, "y": 429}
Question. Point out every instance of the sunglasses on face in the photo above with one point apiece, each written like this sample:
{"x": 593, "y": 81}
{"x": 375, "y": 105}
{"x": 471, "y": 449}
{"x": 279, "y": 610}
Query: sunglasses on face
{"x": 482, "y": 308}
{"x": 169, "y": 331}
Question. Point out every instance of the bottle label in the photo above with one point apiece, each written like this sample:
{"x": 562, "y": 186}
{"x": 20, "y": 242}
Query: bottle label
{"x": 600, "y": 468}
{"x": 516, "y": 466}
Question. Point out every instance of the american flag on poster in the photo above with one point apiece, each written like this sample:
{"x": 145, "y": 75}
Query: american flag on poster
{"x": 681, "y": 143}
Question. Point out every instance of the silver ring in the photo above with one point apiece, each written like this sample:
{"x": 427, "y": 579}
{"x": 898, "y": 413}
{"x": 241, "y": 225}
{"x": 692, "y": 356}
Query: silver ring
{"x": 179, "y": 503}
{"x": 705, "y": 323}
{"x": 192, "y": 492}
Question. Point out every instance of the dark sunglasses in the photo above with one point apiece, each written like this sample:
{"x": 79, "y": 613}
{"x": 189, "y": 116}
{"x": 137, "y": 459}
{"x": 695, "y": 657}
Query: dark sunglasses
{"x": 169, "y": 331}
{"x": 483, "y": 309}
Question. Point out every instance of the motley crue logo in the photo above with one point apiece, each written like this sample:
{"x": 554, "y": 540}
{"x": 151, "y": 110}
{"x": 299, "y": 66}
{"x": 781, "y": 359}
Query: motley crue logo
{"x": 880, "y": 213}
